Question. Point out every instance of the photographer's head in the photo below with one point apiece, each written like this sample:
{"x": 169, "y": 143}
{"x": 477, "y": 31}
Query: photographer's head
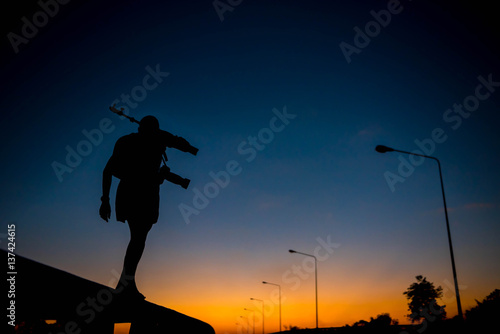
{"x": 149, "y": 125}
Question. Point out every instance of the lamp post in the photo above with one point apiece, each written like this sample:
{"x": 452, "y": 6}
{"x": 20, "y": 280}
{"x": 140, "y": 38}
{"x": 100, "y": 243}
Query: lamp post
{"x": 253, "y": 317}
{"x": 279, "y": 286}
{"x": 316, "y": 278}
{"x": 260, "y": 300}
{"x": 384, "y": 149}
{"x": 248, "y": 323}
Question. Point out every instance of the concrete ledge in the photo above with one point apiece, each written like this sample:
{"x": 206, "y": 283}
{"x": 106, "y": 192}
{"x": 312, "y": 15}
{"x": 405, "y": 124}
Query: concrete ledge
{"x": 82, "y": 306}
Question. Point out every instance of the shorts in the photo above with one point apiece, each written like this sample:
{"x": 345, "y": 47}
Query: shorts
{"x": 137, "y": 201}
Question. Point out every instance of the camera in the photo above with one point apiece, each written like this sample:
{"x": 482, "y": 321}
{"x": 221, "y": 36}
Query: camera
{"x": 166, "y": 174}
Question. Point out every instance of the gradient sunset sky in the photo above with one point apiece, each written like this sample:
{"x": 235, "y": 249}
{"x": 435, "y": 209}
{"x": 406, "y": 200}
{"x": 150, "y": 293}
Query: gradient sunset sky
{"x": 264, "y": 90}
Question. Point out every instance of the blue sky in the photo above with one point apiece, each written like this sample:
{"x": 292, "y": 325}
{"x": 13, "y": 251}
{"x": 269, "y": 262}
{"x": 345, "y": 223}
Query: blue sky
{"x": 319, "y": 176}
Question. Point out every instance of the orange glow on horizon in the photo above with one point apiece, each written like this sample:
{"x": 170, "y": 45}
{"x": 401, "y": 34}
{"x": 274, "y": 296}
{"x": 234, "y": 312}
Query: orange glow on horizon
{"x": 225, "y": 315}
{"x": 228, "y": 318}
{"x": 221, "y": 300}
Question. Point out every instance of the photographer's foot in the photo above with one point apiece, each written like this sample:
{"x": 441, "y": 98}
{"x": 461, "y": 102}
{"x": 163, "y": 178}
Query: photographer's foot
{"x": 130, "y": 292}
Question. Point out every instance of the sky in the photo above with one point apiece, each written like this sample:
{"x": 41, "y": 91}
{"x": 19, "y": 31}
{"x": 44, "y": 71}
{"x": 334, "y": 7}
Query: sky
{"x": 286, "y": 101}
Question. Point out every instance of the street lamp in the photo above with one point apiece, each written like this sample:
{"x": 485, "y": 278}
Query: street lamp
{"x": 260, "y": 300}
{"x": 253, "y": 317}
{"x": 248, "y": 323}
{"x": 279, "y": 286}
{"x": 316, "y": 278}
{"x": 384, "y": 149}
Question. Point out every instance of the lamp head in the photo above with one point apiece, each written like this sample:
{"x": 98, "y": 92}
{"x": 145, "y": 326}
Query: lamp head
{"x": 383, "y": 149}
{"x": 292, "y": 251}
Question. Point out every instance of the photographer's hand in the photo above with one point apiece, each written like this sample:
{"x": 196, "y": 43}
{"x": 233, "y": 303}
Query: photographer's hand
{"x": 105, "y": 209}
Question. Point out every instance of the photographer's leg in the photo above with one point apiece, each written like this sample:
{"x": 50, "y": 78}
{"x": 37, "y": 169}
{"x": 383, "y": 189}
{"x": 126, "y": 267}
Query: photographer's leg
{"x": 135, "y": 249}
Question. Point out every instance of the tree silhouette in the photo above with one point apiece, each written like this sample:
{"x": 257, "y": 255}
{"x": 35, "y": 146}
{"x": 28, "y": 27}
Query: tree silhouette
{"x": 485, "y": 313}
{"x": 381, "y": 322}
{"x": 422, "y": 303}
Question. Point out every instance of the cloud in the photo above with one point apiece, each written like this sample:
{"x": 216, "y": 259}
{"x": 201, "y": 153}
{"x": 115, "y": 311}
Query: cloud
{"x": 469, "y": 206}
{"x": 366, "y": 132}
{"x": 474, "y": 206}
{"x": 269, "y": 202}
{"x": 370, "y": 131}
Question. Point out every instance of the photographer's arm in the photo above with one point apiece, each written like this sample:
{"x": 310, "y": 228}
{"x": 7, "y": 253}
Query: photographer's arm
{"x": 177, "y": 142}
{"x": 107, "y": 177}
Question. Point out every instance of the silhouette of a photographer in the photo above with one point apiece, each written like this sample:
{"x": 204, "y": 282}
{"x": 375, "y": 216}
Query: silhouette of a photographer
{"x": 136, "y": 161}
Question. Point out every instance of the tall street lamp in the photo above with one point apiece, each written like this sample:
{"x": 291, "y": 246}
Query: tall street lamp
{"x": 384, "y": 149}
{"x": 316, "y": 278}
{"x": 260, "y": 300}
{"x": 253, "y": 317}
{"x": 279, "y": 286}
